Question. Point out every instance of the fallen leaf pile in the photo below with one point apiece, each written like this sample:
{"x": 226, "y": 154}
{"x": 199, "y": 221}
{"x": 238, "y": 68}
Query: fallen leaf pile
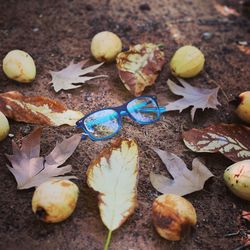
{"x": 229, "y": 139}
{"x": 37, "y": 109}
{"x": 198, "y": 98}
{"x": 31, "y": 170}
{"x": 185, "y": 181}
{"x": 139, "y": 66}
{"x": 68, "y": 77}
{"x": 113, "y": 174}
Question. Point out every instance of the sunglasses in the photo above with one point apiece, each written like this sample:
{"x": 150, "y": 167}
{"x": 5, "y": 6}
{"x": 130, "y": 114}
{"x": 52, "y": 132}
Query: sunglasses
{"x": 107, "y": 122}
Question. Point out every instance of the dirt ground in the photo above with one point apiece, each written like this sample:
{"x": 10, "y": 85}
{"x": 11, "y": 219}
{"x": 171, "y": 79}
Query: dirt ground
{"x": 56, "y": 32}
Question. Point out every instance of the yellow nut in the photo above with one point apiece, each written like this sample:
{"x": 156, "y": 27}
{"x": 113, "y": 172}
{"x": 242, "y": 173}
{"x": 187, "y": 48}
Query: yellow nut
{"x": 173, "y": 216}
{"x": 105, "y": 46}
{"x": 55, "y": 200}
{"x": 4, "y": 126}
{"x": 187, "y": 62}
{"x": 237, "y": 178}
{"x": 18, "y": 65}
{"x": 243, "y": 109}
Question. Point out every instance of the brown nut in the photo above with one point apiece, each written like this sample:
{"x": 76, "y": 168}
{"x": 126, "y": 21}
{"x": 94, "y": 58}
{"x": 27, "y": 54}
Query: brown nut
{"x": 173, "y": 216}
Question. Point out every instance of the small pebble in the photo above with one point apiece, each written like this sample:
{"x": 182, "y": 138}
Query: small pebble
{"x": 35, "y": 29}
{"x": 244, "y": 43}
{"x": 207, "y": 35}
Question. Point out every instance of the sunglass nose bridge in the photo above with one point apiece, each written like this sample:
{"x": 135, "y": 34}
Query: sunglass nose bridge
{"x": 123, "y": 113}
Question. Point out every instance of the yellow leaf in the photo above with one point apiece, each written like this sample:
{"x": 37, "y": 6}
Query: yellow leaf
{"x": 114, "y": 175}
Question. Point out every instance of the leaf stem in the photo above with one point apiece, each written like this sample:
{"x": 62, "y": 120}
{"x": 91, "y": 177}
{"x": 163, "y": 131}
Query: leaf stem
{"x": 106, "y": 247}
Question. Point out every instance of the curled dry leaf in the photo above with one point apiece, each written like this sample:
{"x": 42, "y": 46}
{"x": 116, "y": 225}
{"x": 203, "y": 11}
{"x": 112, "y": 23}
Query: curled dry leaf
{"x": 199, "y": 98}
{"x": 31, "y": 170}
{"x": 231, "y": 140}
{"x": 73, "y": 73}
{"x": 185, "y": 181}
{"x": 113, "y": 174}
{"x": 139, "y": 66}
{"x": 245, "y": 215}
{"x": 37, "y": 109}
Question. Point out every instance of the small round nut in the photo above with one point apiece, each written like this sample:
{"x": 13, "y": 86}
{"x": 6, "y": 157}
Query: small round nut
{"x": 18, "y": 65}
{"x": 55, "y": 200}
{"x": 237, "y": 178}
{"x": 188, "y": 61}
{"x": 105, "y": 46}
{"x": 4, "y": 126}
{"x": 173, "y": 216}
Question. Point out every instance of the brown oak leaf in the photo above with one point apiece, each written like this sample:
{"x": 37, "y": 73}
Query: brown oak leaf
{"x": 31, "y": 170}
{"x": 37, "y": 109}
{"x": 197, "y": 98}
{"x": 231, "y": 140}
{"x": 184, "y": 181}
{"x": 139, "y": 66}
{"x": 68, "y": 77}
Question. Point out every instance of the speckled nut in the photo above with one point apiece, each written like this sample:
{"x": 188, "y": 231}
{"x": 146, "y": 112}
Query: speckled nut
{"x": 55, "y": 200}
{"x": 187, "y": 62}
{"x": 237, "y": 178}
{"x": 4, "y": 126}
{"x": 173, "y": 216}
{"x": 105, "y": 46}
{"x": 18, "y": 65}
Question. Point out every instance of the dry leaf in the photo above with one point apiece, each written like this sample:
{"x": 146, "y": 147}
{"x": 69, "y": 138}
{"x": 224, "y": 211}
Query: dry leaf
{"x": 37, "y": 109}
{"x": 30, "y": 170}
{"x": 199, "y": 98}
{"x": 72, "y": 74}
{"x": 229, "y": 139}
{"x": 225, "y": 10}
{"x": 245, "y": 215}
{"x": 185, "y": 181}
{"x": 244, "y": 49}
{"x": 139, "y": 66}
{"x": 113, "y": 174}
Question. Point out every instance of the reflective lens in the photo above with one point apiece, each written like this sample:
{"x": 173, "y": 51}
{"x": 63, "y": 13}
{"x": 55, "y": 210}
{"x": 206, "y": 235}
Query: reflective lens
{"x": 144, "y": 110}
{"x": 102, "y": 123}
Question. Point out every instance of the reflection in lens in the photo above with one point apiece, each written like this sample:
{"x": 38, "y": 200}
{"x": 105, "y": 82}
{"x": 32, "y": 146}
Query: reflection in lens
{"x": 102, "y": 123}
{"x": 144, "y": 110}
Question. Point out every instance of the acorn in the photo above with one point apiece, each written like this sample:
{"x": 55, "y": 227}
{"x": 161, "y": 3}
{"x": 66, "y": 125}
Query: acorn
{"x": 18, "y": 65}
{"x": 105, "y": 46}
{"x": 4, "y": 126}
{"x": 188, "y": 61}
{"x": 243, "y": 106}
{"x": 55, "y": 200}
{"x": 173, "y": 216}
{"x": 237, "y": 179}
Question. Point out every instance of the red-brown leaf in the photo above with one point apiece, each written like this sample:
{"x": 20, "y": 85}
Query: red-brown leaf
{"x": 231, "y": 140}
{"x": 37, "y": 109}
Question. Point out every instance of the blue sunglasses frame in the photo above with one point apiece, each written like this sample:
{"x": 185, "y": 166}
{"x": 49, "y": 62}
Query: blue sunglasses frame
{"x": 121, "y": 111}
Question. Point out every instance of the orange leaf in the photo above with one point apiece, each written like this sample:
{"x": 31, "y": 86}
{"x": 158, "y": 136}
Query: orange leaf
{"x": 37, "y": 109}
{"x": 139, "y": 66}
